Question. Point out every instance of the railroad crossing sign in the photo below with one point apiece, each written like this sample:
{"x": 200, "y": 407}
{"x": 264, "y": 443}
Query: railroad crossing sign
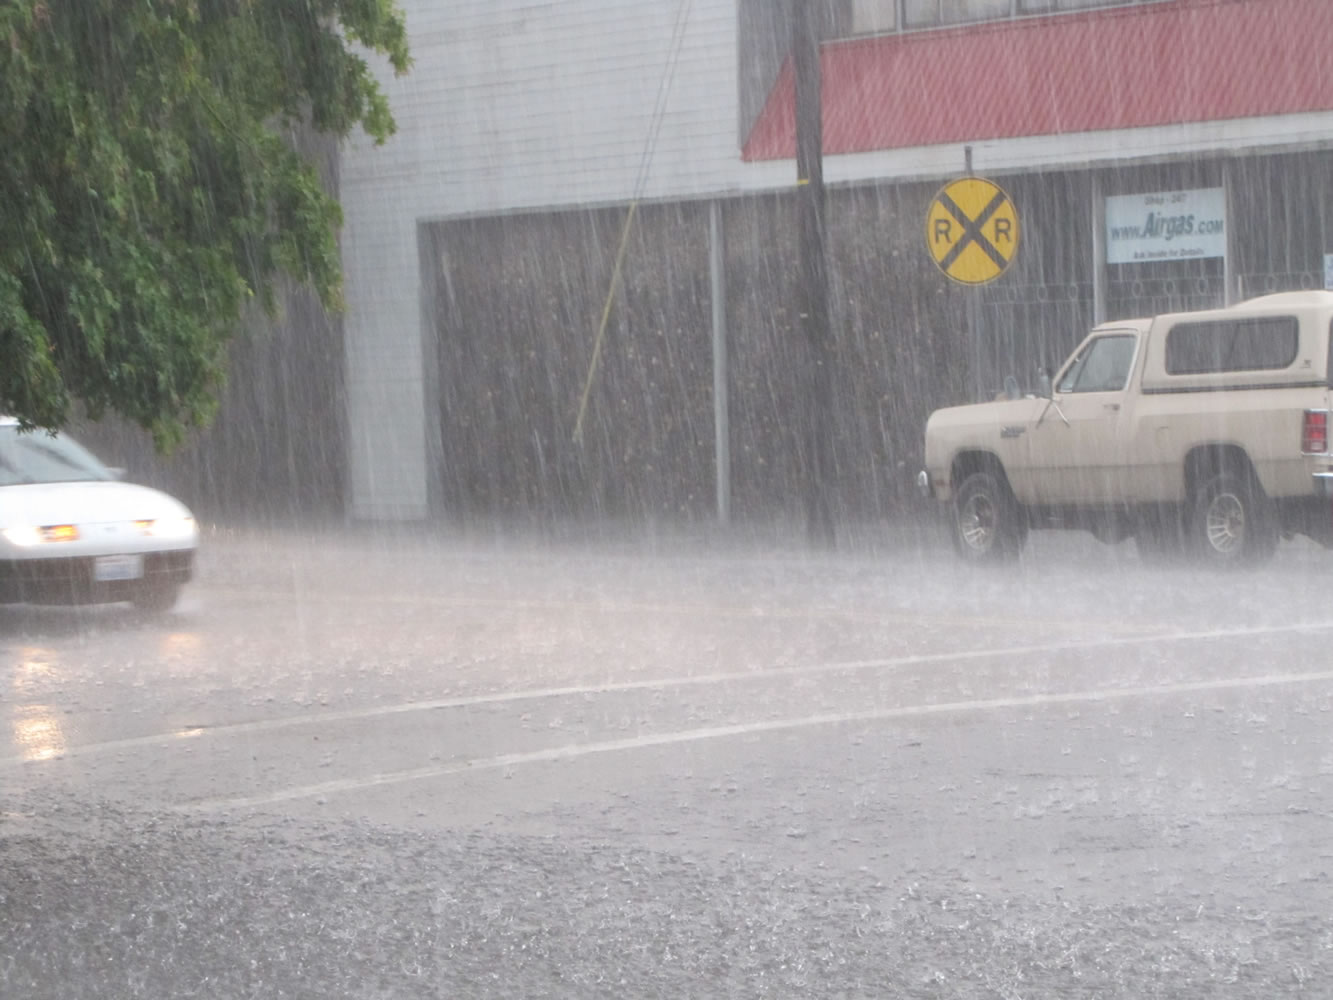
{"x": 972, "y": 230}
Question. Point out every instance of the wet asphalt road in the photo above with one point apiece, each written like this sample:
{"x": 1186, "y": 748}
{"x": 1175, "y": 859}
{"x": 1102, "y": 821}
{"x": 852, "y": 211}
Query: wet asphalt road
{"x": 400, "y": 766}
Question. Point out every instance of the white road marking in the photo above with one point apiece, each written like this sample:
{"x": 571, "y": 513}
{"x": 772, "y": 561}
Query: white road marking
{"x": 574, "y": 751}
{"x": 659, "y": 684}
{"x": 617, "y": 607}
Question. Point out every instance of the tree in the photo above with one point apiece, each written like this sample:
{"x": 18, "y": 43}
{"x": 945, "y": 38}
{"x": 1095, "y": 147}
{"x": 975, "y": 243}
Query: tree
{"x": 149, "y": 190}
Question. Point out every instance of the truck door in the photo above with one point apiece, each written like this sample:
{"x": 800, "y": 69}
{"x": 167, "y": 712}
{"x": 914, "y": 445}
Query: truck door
{"x": 1076, "y": 445}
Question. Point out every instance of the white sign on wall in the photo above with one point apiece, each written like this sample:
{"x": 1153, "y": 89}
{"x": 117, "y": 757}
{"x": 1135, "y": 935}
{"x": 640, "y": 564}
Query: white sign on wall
{"x": 1166, "y": 225}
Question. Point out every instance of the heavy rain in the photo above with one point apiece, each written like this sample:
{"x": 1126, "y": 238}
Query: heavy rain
{"x": 699, "y": 549}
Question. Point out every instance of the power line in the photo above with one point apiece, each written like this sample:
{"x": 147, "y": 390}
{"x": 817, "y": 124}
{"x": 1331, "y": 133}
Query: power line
{"x": 640, "y": 185}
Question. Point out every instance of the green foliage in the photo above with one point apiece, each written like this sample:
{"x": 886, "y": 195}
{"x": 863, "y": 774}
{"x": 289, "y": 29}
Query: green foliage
{"x": 150, "y": 188}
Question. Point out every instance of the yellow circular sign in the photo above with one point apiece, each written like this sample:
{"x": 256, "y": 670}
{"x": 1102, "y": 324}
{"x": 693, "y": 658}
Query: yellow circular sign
{"x": 972, "y": 230}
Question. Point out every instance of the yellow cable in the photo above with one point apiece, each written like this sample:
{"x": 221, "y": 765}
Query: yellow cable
{"x": 606, "y": 316}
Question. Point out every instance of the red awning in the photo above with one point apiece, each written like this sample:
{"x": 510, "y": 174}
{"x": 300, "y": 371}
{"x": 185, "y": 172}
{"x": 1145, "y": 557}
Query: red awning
{"x": 1126, "y": 67}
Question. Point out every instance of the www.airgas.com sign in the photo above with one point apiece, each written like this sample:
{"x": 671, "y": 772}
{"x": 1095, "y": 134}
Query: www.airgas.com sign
{"x": 1166, "y": 225}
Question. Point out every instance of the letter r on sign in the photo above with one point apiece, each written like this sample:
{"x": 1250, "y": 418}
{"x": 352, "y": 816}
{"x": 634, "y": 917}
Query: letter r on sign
{"x": 943, "y": 228}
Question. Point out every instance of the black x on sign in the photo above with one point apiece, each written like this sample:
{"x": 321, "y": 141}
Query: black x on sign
{"x": 972, "y": 230}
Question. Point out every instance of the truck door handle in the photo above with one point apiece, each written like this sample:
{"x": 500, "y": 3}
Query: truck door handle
{"x": 1113, "y": 407}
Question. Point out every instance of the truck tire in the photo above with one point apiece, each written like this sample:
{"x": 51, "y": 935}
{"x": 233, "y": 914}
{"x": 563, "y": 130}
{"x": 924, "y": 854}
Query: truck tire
{"x": 989, "y": 525}
{"x": 1232, "y": 522}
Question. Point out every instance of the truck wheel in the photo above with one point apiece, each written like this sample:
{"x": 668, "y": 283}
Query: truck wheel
{"x": 1232, "y": 523}
{"x": 989, "y": 525}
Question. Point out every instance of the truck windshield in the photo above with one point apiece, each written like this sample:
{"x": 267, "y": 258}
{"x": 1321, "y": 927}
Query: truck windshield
{"x": 1102, "y": 366}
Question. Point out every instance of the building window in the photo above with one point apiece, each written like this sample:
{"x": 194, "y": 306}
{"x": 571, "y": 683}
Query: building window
{"x": 874, "y": 16}
{"x": 1046, "y": 6}
{"x": 927, "y": 13}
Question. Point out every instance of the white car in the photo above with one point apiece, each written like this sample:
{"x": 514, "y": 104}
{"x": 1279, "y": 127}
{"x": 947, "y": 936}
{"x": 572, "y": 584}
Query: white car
{"x": 72, "y": 533}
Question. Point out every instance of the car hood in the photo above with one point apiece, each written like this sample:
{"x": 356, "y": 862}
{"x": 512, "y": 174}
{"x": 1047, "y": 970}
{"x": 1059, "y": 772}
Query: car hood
{"x": 85, "y": 503}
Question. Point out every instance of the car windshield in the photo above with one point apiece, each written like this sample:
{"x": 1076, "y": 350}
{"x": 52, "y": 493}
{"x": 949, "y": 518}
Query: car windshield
{"x": 36, "y": 456}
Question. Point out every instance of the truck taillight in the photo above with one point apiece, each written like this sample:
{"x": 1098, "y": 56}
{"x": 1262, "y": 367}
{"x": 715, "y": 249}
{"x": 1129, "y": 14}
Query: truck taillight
{"x": 1314, "y": 432}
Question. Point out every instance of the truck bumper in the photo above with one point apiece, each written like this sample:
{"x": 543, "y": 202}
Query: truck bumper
{"x": 1311, "y": 515}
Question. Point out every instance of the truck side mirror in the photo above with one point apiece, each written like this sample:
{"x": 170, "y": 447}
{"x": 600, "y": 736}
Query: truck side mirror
{"x": 1044, "y": 376}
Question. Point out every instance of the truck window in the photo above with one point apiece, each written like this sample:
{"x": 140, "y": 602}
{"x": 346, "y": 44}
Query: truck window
{"x": 1102, "y": 366}
{"x": 1261, "y": 343}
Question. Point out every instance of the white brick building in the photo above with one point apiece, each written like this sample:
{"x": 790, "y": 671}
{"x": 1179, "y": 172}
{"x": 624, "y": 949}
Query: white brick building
{"x": 512, "y": 105}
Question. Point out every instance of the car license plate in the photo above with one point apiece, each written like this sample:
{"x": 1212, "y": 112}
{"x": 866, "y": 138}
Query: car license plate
{"x": 107, "y": 568}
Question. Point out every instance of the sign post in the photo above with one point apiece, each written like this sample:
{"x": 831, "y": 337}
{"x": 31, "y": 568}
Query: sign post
{"x": 813, "y": 298}
{"x": 972, "y": 234}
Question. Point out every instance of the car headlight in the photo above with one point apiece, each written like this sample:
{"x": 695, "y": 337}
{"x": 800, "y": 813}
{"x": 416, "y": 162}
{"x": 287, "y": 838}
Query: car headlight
{"x": 23, "y": 535}
{"x": 169, "y": 528}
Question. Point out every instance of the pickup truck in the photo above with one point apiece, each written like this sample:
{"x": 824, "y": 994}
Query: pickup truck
{"x": 1203, "y": 434}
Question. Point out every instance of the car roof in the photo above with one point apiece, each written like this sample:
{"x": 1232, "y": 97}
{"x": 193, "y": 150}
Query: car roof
{"x": 1309, "y": 299}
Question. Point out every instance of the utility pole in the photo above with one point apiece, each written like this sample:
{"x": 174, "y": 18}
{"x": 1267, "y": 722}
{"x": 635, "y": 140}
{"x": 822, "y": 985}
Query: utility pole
{"x": 813, "y": 298}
